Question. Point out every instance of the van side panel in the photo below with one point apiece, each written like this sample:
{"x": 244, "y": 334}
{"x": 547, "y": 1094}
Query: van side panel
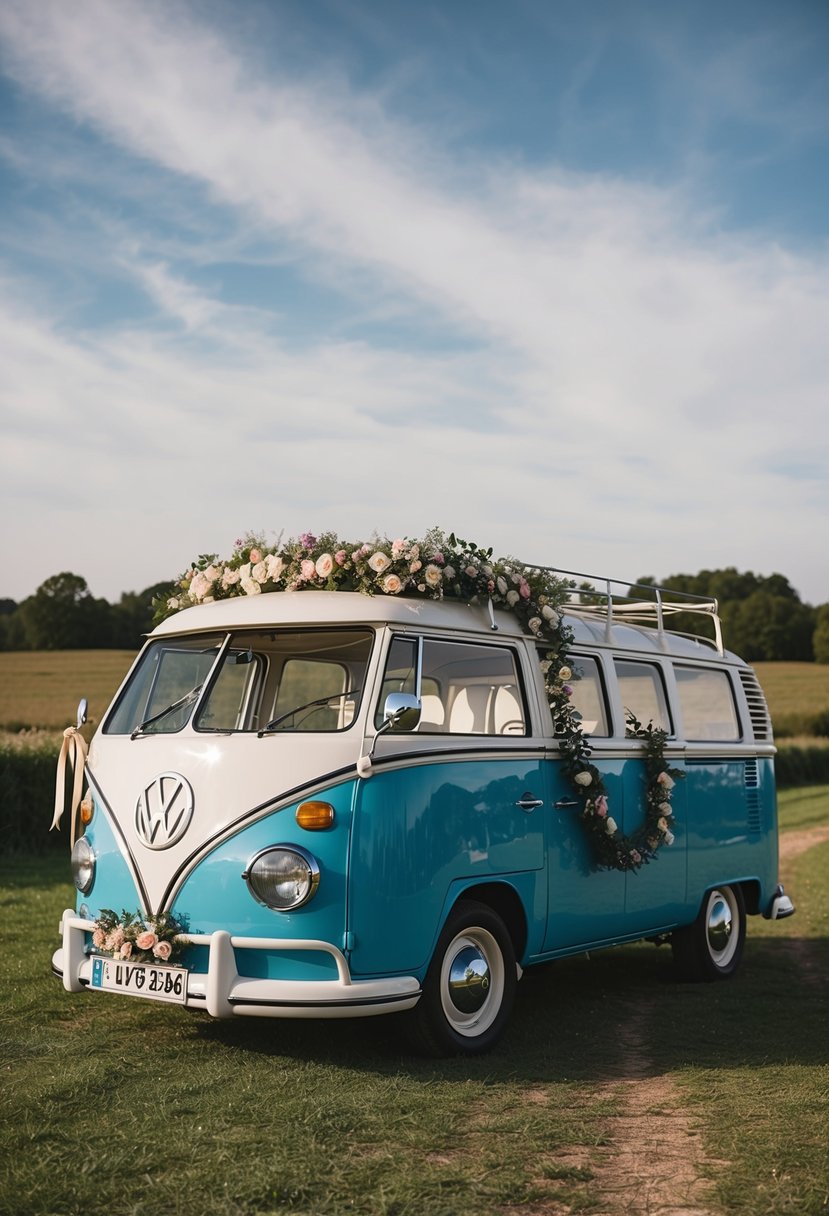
{"x": 417, "y": 830}
{"x": 731, "y": 824}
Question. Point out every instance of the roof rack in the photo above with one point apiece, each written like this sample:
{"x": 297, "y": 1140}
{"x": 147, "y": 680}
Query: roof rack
{"x": 597, "y": 596}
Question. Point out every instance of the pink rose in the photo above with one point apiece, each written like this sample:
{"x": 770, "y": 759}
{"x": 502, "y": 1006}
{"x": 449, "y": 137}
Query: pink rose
{"x": 340, "y": 556}
{"x": 392, "y": 584}
{"x": 115, "y": 939}
{"x": 308, "y": 568}
{"x": 146, "y": 940}
{"x": 324, "y": 565}
{"x": 524, "y": 591}
{"x": 398, "y": 548}
{"x": 666, "y": 781}
{"x": 98, "y": 938}
{"x": 601, "y": 805}
{"x": 162, "y": 950}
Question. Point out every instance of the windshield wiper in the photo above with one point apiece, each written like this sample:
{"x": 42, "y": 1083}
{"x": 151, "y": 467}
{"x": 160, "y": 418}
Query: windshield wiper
{"x": 337, "y": 696}
{"x": 187, "y": 699}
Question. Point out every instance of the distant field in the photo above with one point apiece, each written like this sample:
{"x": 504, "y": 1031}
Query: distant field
{"x": 42, "y": 688}
{"x": 795, "y": 692}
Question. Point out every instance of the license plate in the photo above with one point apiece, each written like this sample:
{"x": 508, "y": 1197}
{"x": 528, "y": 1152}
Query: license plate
{"x": 140, "y": 979}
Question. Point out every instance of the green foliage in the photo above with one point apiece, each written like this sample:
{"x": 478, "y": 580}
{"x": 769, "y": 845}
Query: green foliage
{"x": 763, "y": 618}
{"x": 63, "y": 615}
{"x": 820, "y": 641}
{"x": 27, "y": 779}
{"x": 796, "y": 766}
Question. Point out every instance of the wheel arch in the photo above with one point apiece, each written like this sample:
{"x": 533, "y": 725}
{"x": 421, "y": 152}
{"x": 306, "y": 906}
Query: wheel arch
{"x": 504, "y": 900}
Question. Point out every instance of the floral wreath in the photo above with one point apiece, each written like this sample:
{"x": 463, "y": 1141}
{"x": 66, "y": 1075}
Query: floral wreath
{"x": 446, "y": 567}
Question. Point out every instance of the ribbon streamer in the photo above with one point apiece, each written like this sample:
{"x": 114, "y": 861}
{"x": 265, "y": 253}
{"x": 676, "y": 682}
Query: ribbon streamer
{"x": 72, "y": 751}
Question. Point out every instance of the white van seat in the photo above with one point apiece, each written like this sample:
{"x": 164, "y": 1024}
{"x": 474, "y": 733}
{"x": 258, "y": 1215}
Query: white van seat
{"x": 469, "y": 710}
{"x": 432, "y": 713}
{"x": 508, "y": 717}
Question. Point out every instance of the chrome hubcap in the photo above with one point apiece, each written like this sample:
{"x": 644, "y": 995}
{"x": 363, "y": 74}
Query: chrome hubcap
{"x": 469, "y": 980}
{"x": 720, "y": 925}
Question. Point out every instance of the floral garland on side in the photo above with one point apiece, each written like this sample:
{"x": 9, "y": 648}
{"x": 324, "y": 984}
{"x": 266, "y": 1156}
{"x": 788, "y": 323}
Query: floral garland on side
{"x": 440, "y": 567}
{"x": 137, "y": 938}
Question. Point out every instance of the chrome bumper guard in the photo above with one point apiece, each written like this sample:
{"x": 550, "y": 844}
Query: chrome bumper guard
{"x": 224, "y": 993}
{"x": 780, "y": 905}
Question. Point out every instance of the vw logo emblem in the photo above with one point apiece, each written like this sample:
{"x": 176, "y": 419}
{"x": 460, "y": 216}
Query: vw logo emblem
{"x": 164, "y": 810}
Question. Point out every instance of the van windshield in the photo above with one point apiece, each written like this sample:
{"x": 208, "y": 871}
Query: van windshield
{"x": 265, "y": 681}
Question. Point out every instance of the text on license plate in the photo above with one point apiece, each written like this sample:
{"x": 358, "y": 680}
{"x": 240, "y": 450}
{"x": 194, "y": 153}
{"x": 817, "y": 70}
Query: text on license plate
{"x": 140, "y": 979}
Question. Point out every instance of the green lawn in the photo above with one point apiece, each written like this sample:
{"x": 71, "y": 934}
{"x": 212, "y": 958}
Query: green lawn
{"x": 112, "y": 1105}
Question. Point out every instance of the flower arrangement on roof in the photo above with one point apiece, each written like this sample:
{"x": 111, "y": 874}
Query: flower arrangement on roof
{"x": 442, "y": 567}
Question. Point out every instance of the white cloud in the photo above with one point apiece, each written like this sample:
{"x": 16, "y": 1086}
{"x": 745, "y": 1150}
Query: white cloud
{"x": 617, "y": 381}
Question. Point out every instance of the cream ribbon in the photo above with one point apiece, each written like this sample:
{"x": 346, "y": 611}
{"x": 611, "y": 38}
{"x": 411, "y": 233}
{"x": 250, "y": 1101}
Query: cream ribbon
{"x": 72, "y": 750}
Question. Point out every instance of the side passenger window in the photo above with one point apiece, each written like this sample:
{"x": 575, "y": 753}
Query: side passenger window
{"x": 465, "y": 689}
{"x": 588, "y": 695}
{"x": 643, "y": 693}
{"x": 707, "y": 703}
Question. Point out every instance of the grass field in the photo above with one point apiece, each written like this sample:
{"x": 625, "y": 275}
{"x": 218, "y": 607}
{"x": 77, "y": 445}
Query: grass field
{"x": 114, "y": 1105}
{"x": 42, "y": 688}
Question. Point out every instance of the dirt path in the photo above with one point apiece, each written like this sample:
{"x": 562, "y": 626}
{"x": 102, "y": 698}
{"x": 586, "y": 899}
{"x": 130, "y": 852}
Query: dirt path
{"x": 656, "y": 1161}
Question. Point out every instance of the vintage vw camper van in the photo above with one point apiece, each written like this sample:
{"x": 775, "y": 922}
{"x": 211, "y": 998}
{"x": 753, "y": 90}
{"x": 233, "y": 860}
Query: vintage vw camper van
{"x": 349, "y": 805}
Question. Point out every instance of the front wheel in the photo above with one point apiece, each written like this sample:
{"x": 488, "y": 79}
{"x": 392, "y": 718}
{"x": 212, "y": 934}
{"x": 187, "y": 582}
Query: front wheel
{"x": 711, "y": 948}
{"x": 470, "y": 985}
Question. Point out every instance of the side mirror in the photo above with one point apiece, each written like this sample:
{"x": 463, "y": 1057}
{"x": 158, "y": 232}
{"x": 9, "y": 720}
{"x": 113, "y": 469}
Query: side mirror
{"x": 401, "y": 711}
{"x": 83, "y": 710}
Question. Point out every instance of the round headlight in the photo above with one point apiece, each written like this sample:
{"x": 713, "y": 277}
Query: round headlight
{"x": 283, "y": 877}
{"x": 83, "y": 865}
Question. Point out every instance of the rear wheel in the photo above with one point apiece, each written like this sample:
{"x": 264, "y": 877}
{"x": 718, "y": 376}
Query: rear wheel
{"x": 470, "y": 985}
{"x": 711, "y": 948}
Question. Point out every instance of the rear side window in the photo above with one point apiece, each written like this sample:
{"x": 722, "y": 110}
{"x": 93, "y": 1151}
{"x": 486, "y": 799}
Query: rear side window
{"x": 588, "y": 696}
{"x": 465, "y": 689}
{"x": 642, "y": 693}
{"x": 707, "y": 703}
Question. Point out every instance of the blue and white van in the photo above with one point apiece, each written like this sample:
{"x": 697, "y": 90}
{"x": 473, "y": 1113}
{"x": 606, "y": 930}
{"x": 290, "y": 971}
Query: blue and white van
{"x": 340, "y": 805}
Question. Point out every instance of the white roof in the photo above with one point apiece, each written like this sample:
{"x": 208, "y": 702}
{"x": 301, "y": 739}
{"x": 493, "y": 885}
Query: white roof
{"x": 353, "y": 608}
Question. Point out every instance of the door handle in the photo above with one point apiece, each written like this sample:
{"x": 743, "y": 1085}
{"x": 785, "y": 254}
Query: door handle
{"x": 564, "y": 803}
{"x": 528, "y": 803}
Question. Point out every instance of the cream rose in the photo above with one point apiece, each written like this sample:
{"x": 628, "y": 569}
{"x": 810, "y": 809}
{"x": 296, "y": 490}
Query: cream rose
{"x": 583, "y": 778}
{"x": 275, "y": 566}
{"x": 666, "y": 781}
{"x": 146, "y": 940}
{"x": 512, "y": 598}
{"x": 260, "y": 572}
{"x": 610, "y": 824}
{"x": 162, "y": 950}
{"x": 325, "y": 564}
{"x": 392, "y": 584}
{"x": 433, "y": 576}
{"x": 565, "y": 674}
{"x": 379, "y": 561}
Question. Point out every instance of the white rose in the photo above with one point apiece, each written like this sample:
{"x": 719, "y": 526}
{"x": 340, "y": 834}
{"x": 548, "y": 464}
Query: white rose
{"x": 250, "y": 586}
{"x": 379, "y": 562}
{"x": 550, "y": 614}
{"x": 565, "y": 674}
{"x": 432, "y": 576}
{"x": 610, "y": 824}
{"x": 584, "y": 778}
{"x": 665, "y": 808}
{"x": 325, "y": 564}
{"x": 229, "y": 577}
{"x": 275, "y": 566}
{"x": 173, "y": 602}
{"x": 449, "y": 572}
{"x": 534, "y": 623}
{"x": 501, "y": 584}
{"x": 512, "y": 598}
{"x": 669, "y": 838}
{"x": 200, "y": 586}
{"x": 259, "y": 572}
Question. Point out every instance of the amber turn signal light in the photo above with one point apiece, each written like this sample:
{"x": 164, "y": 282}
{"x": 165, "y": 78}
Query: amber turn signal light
{"x": 315, "y": 816}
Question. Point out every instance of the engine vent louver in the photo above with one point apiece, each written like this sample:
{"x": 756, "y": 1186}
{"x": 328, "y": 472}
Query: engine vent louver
{"x": 757, "y": 708}
{"x": 752, "y": 783}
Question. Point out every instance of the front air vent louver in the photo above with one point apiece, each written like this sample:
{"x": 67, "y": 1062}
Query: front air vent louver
{"x": 757, "y": 708}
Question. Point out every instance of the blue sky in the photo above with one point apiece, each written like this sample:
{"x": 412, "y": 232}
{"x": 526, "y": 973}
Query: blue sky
{"x": 553, "y": 275}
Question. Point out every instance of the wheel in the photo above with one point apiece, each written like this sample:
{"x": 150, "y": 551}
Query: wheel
{"x": 470, "y": 985}
{"x": 711, "y": 948}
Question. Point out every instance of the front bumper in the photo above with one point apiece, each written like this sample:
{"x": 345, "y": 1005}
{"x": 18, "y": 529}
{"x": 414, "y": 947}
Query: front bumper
{"x": 780, "y": 905}
{"x": 224, "y": 993}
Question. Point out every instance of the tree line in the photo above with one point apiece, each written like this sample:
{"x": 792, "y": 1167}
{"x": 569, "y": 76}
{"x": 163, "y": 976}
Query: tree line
{"x": 763, "y": 618}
